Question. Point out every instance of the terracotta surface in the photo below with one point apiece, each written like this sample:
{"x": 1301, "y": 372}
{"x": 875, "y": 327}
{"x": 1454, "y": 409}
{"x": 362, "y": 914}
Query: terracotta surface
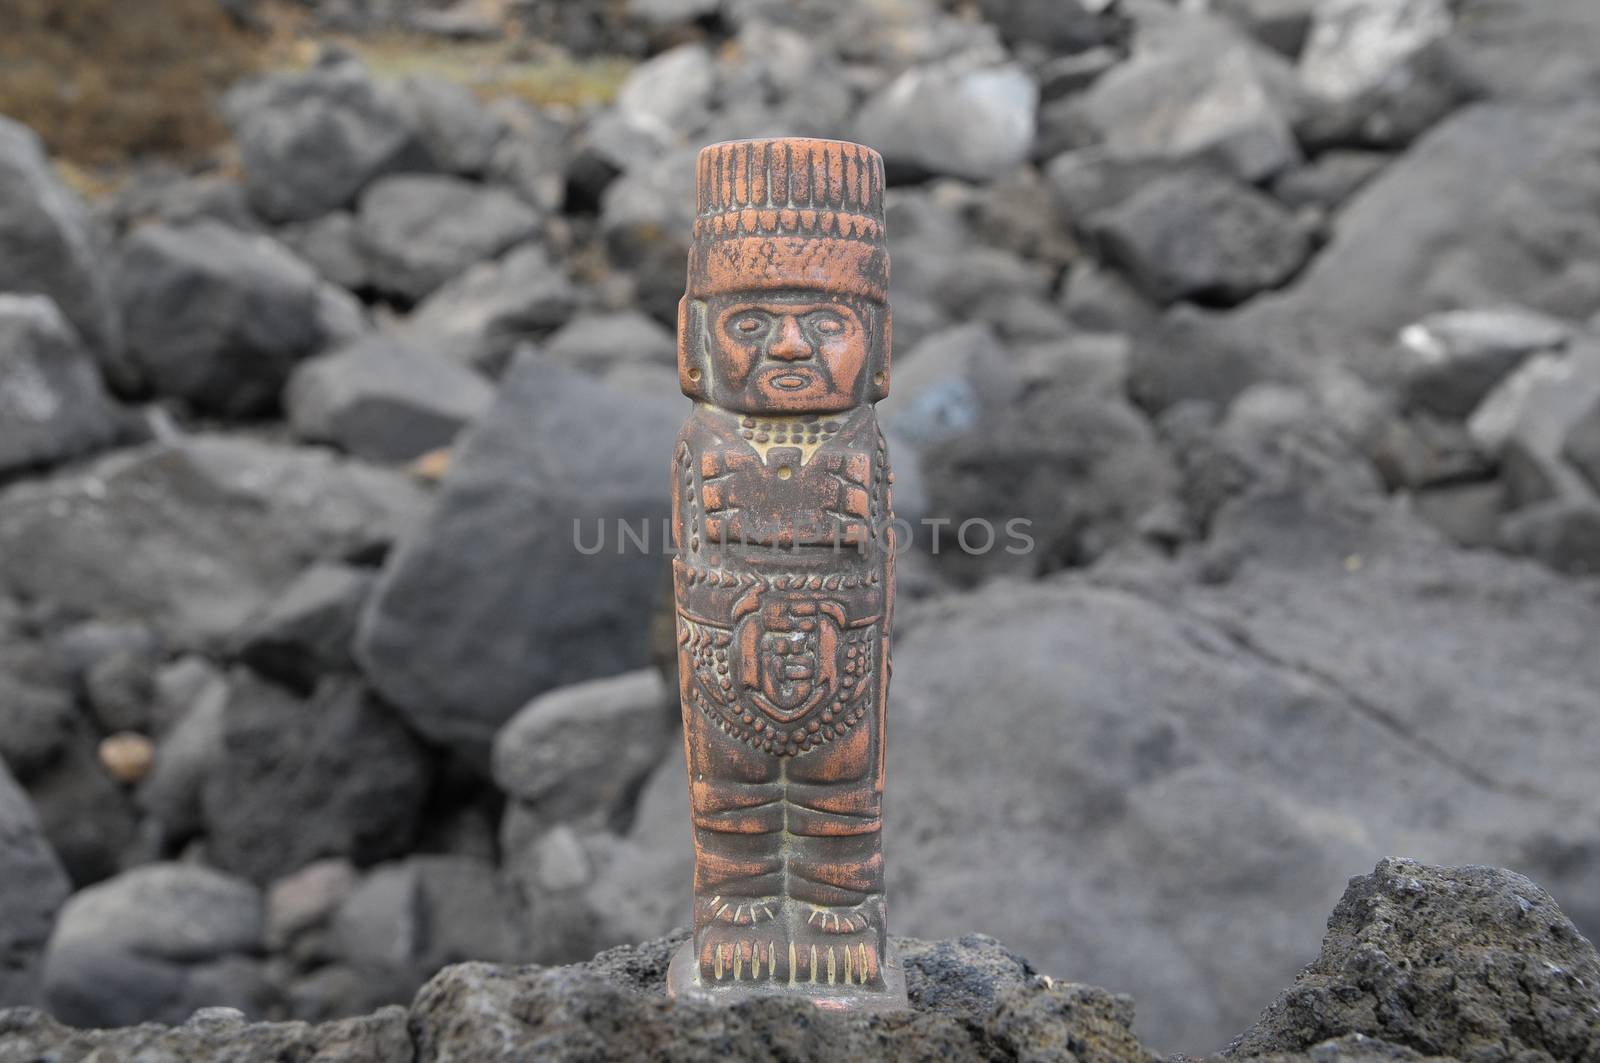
{"x": 784, "y": 575}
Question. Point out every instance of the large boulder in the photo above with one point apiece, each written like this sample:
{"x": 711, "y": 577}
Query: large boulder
{"x": 1171, "y": 760}
{"x": 311, "y": 140}
{"x": 47, "y": 246}
{"x": 216, "y": 316}
{"x": 384, "y": 399}
{"x": 213, "y": 1035}
{"x": 417, "y": 231}
{"x": 971, "y": 998}
{"x": 154, "y": 944}
{"x": 195, "y": 535}
{"x": 580, "y": 752}
{"x": 1496, "y": 205}
{"x": 52, "y": 402}
{"x": 506, "y": 591}
{"x": 334, "y": 774}
{"x": 479, "y": 318}
{"x": 1353, "y": 46}
{"x": 1202, "y": 237}
{"x": 307, "y": 631}
{"x": 1193, "y": 87}
{"x": 31, "y": 890}
{"x": 1462, "y": 962}
{"x": 406, "y": 920}
{"x": 972, "y": 123}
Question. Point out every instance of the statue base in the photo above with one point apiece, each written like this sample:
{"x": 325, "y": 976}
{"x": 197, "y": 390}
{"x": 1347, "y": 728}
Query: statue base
{"x": 683, "y": 983}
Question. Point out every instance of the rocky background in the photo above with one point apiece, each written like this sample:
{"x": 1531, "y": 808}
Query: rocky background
{"x": 1276, "y": 318}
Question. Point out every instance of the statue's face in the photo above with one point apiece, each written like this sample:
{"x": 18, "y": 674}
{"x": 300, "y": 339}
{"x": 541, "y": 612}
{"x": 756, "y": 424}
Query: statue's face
{"x": 790, "y": 353}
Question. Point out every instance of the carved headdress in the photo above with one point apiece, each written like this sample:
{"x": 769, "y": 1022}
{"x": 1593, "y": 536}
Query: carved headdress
{"x": 787, "y": 214}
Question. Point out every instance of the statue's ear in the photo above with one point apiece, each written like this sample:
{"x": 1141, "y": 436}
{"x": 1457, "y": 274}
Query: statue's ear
{"x": 878, "y": 364}
{"x": 693, "y": 372}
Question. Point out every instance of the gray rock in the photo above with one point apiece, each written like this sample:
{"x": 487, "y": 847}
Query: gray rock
{"x": 166, "y": 193}
{"x": 646, "y": 216}
{"x": 1456, "y": 357}
{"x": 31, "y": 890}
{"x": 407, "y": 920}
{"x": 597, "y": 342}
{"x": 36, "y": 716}
{"x": 1281, "y": 25}
{"x": 532, "y": 157}
{"x": 53, "y": 405}
{"x": 1465, "y": 218}
{"x": 1562, "y": 533}
{"x": 383, "y": 399}
{"x": 48, "y": 248}
{"x": 1204, "y": 238}
{"x": 1526, "y": 420}
{"x": 1399, "y": 107}
{"x": 86, "y": 815}
{"x": 1531, "y": 51}
{"x": 499, "y": 572}
{"x": 972, "y": 123}
{"x": 213, "y": 1036}
{"x": 196, "y": 535}
{"x": 459, "y": 132}
{"x": 303, "y": 902}
{"x": 1582, "y": 446}
{"x": 479, "y": 318}
{"x": 948, "y": 385}
{"x": 580, "y": 752}
{"x": 329, "y": 244}
{"x": 311, "y": 140}
{"x": 1469, "y": 513}
{"x": 178, "y": 912}
{"x": 341, "y": 317}
{"x": 1098, "y": 298}
{"x": 1054, "y": 482}
{"x": 638, "y": 885}
{"x": 672, "y": 90}
{"x": 1328, "y": 180}
{"x": 1065, "y": 75}
{"x": 671, "y": 12}
{"x": 216, "y": 316}
{"x": 1296, "y": 648}
{"x": 307, "y": 631}
{"x": 1353, "y": 45}
{"x": 188, "y": 751}
{"x": 971, "y": 998}
{"x": 1191, "y": 88}
{"x": 332, "y": 775}
{"x": 154, "y": 944}
{"x": 1056, "y": 27}
{"x": 1451, "y": 943}
{"x": 417, "y": 231}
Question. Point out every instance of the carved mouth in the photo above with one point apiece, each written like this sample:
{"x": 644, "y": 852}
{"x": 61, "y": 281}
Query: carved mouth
{"x": 790, "y": 381}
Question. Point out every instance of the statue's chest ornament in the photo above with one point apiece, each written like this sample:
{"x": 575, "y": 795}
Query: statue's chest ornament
{"x": 794, "y": 673}
{"x": 807, "y": 434}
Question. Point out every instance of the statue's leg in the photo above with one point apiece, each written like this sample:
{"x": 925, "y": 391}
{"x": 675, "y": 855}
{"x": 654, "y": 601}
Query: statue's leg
{"x": 835, "y": 866}
{"x": 735, "y": 796}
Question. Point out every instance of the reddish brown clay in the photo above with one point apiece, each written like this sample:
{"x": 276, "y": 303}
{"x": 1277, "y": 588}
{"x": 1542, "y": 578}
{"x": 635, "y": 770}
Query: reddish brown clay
{"x": 784, "y": 574}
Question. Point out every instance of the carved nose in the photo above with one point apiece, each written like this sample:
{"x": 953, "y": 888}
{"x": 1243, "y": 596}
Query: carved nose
{"x": 790, "y": 345}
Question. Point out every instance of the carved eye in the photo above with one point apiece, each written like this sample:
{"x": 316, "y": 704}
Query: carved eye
{"x": 827, "y": 324}
{"x": 748, "y": 326}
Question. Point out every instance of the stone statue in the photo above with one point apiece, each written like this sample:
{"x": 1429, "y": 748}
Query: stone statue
{"x": 784, "y": 574}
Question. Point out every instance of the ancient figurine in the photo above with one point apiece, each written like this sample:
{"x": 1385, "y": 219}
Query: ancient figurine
{"x": 784, "y": 574}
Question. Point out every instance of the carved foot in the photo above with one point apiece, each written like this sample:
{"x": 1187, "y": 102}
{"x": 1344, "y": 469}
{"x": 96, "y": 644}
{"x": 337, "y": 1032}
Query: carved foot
{"x": 832, "y": 959}
{"x": 746, "y": 954}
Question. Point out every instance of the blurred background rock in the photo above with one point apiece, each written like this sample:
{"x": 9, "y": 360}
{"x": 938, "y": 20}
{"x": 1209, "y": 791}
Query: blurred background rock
{"x": 322, "y": 322}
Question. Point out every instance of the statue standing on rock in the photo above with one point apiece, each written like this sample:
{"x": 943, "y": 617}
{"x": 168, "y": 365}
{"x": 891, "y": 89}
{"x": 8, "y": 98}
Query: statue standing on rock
{"x": 784, "y": 574}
